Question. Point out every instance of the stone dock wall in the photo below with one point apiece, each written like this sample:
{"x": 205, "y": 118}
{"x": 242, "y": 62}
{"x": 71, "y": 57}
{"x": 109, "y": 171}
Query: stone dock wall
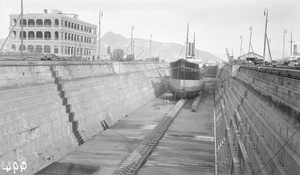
{"x": 257, "y": 123}
{"x": 48, "y": 109}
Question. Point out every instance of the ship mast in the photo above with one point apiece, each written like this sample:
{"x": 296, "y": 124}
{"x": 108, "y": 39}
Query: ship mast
{"x": 187, "y": 42}
{"x": 291, "y": 43}
{"x": 265, "y": 37}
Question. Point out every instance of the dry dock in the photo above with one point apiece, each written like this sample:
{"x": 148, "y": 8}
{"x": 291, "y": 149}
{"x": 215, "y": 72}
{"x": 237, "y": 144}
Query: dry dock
{"x": 186, "y": 148}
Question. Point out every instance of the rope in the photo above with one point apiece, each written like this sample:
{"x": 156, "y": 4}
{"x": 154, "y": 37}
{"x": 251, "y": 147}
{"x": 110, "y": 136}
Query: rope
{"x": 190, "y": 69}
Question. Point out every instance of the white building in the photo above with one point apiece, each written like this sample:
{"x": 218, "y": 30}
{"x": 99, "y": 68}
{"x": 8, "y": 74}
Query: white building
{"x": 61, "y": 34}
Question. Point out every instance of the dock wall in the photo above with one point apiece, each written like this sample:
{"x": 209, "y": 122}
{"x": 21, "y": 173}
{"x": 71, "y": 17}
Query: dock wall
{"x": 48, "y": 109}
{"x": 257, "y": 122}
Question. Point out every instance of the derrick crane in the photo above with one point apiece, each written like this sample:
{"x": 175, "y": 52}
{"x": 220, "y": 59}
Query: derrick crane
{"x": 229, "y": 57}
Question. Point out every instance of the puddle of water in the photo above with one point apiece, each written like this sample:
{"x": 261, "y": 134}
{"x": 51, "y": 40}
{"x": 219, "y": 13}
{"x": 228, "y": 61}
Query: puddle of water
{"x": 149, "y": 126}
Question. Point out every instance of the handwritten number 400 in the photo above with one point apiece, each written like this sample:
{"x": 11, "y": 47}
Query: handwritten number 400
{"x": 14, "y": 166}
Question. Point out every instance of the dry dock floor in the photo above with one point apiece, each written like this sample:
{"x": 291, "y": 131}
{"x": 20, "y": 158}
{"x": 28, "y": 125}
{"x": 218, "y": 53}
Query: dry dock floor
{"x": 188, "y": 145}
{"x": 186, "y": 148}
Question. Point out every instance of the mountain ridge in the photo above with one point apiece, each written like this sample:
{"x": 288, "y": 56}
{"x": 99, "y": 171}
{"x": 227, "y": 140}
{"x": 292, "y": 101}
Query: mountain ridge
{"x": 165, "y": 51}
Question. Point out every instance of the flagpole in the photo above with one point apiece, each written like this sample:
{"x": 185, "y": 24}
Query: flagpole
{"x": 100, "y": 14}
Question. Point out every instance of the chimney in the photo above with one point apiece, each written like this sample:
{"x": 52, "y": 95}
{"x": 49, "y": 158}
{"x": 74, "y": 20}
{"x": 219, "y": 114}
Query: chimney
{"x": 45, "y": 11}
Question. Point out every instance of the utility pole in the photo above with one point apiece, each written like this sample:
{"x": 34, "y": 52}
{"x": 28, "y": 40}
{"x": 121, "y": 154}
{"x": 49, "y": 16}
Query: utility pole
{"x": 284, "y": 32}
{"x": 100, "y": 15}
{"x": 132, "y": 27}
{"x": 265, "y": 37}
{"x": 21, "y": 29}
{"x": 291, "y": 44}
{"x": 250, "y": 45}
{"x": 150, "y": 44}
{"x": 241, "y": 48}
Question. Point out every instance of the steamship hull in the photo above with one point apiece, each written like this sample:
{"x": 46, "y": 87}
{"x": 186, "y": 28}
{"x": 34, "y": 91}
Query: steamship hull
{"x": 185, "y": 79}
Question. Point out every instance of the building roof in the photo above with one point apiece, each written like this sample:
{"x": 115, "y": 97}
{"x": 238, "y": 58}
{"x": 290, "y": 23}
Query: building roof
{"x": 250, "y": 55}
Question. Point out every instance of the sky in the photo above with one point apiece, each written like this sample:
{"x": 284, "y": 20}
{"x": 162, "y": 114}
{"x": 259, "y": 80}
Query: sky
{"x": 218, "y": 24}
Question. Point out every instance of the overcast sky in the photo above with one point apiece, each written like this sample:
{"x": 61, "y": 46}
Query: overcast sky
{"x": 218, "y": 23}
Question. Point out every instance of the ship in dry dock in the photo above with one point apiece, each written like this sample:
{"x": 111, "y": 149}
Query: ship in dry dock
{"x": 185, "y": 74}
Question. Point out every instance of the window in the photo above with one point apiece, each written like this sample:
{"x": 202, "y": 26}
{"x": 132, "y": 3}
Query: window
{"x": 30, "y": 48}
{"x": 31, "y": 23}
{"x": 56, "y": 35}
{"x": 47, "y": 49}
{"x": 24, "y": 47}
{"x": 39, "y": 49}
{"x": 56, "y": 22}
{"x": 13, "y": 47}
{"x": 55, "y": 49}
{"x": 39, "y": 22}
{"x": 47, "y": 22}
{"x": 47, "y": 35}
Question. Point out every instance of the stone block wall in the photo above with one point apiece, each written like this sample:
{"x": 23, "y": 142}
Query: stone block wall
{"x": 51, "y": 108}
{"x": 261, "y": 117}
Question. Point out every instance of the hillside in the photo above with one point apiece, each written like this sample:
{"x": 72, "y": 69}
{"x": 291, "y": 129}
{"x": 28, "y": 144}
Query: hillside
{"x": 166, "y": 51}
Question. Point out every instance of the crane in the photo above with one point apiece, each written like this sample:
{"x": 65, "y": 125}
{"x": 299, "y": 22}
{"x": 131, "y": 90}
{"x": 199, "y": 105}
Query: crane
{"x": 229, "y": 57}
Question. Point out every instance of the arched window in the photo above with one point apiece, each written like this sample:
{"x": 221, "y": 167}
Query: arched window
{"x": 13, "y": 47}
{"x": 24, "y": 47}
{"x": 38, "y": 49}
{"x": 30, "y": 48}
{"x": 47, "y": 22}
{"x": 14, "y": 21}
{"x": 24, "y": 35}
{"x": 72, "y": 37}
{"x": 66, "y": 36}
{"x": 55, "y": 49}
{"x": 72, "y": 25}
{"x": 66, "y": 23}
{"x": 47, "y": 35}
{"x": 39, "y": 22}
{"x": 14, "y": 35}
{"x": 81, "y": 28}
{"x": 31, "y": 35}
{"x": 39, "y": 35}
{"x": 56, "y": 35}
{"x": 69, "y": 24}
{"x": 47, "y": 49}
{"x": 56, "y": 22}
{"x": 31, "y": 23}
{"x": 62, "y": 49}
{"x": 69, "y": 36}
{"x": 24, "y": 22}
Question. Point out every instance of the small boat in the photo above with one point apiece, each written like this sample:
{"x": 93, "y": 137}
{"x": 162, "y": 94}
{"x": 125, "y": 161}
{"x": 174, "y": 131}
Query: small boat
{"x": 185, "y": 76}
